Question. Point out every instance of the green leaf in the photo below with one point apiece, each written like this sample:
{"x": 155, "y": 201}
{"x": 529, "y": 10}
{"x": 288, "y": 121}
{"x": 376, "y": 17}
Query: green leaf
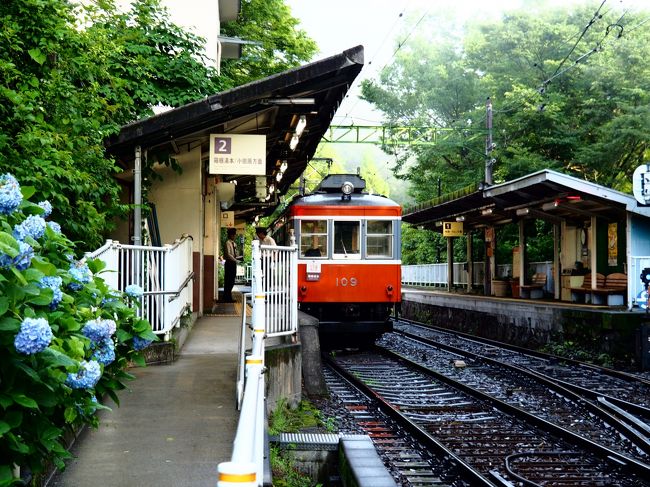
{"x": 37, "y": 55}
{"x": 9, "y": 324}
{"x": 4, "y": 427}
{"x": 14, "y": 418}
{"x": 9, "y": 245}
{"x": 70, "y": 414}
{"x": 44, "y": 266}
{"x": 24, "y": 401}
{"x": 6, "y": 474}
{"x": 54, "y": 358}
{"x": 4, "y": 305}
{"x": 43, "y": 299}
{"x": 19, "y": 276}
{"x": 5, "y": 401}
{"x": 139, "y": 360}
{"x": 27, "y": 192}
{"x": 33, "y": 274}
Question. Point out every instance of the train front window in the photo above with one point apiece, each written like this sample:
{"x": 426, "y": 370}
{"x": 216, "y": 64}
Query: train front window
{"x": 379, "y": 239}
{"x": 313, "y": 238}
{"x": 346, "y": 239}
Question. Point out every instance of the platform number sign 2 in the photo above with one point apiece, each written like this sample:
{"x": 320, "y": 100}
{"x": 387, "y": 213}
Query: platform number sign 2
{"x": 222, "y": 145}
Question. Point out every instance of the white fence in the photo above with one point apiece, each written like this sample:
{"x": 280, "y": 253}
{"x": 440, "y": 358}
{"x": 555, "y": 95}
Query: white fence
{"x": 164, "y": 273}
{"x": 436, "y": 274}
{"x": 274, "y": 299}
{"x": 636, "y": 288}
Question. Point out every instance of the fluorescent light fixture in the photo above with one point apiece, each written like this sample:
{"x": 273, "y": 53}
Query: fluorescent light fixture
{"x": 523, "y": 211}
{"x": 550, "y": 206}
{"x": 300, "y": 126}
{"x": 460, "y": 218}
{"x": 293, "y": 143}
{"x": 438, "y": 224}
{"x": 487, "y": 211}
{"x": 289, "y": 101}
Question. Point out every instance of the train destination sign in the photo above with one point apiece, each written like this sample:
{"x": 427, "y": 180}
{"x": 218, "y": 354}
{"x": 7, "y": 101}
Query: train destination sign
{"x": 238, "y": 154}
{"x": 452, "y": 229}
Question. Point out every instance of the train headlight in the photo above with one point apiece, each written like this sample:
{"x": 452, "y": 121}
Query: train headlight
{"x": 347, "y": 188}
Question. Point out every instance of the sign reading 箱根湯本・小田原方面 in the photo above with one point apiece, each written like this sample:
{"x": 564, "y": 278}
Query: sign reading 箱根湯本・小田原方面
{"x": 238, "y": 154}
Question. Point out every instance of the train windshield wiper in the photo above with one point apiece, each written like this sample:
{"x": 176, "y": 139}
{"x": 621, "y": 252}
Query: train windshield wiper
{"x": 343, "y": 245}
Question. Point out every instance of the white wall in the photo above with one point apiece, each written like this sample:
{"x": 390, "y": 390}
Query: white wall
{"x": 179, "y": 201}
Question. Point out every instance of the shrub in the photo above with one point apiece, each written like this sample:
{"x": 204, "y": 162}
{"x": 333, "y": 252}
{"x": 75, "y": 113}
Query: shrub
{"x": 66, "y": 337}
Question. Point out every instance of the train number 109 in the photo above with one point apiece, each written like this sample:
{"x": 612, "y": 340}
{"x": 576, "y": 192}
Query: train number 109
{"x": 344, "y": 281}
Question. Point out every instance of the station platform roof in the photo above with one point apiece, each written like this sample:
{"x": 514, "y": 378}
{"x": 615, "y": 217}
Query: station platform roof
{"x": 546, "y": 194}
{"x": 270, "y": 107}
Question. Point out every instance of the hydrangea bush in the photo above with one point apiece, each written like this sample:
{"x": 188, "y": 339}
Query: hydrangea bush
{"x": 66, "y": 339}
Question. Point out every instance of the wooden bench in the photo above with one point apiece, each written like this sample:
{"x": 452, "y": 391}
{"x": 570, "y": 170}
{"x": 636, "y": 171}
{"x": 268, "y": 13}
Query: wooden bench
{"x": 534, "y": 290}
{"x": 612, "y": 292}
{"x": 582, "y": 294}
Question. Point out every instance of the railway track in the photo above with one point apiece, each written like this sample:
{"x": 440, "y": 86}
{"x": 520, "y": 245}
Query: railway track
{"x": 477, "y": 438}
{"x": 599, "y": 390}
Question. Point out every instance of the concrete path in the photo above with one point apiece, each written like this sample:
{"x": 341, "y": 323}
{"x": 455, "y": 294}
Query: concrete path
{"x": 174, "y": 425}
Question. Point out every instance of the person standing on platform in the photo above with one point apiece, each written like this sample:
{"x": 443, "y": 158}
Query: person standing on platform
{"x": 264, "y": 237}
{"x": 230, "y": 266}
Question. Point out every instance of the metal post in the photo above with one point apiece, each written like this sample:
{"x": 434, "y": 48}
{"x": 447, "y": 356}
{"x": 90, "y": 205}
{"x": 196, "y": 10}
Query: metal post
{"x": 488, "y": 143}
{"x": 137, "y": 197}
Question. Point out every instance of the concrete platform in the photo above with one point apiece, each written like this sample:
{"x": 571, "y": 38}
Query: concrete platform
{"x": 175, "y": 424}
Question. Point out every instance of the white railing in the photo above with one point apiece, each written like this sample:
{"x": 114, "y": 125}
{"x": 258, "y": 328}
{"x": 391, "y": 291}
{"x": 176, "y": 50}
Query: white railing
{"x": 436, "y": 274}
{"x": 280, "y": 286}
{"x": 164, "y": 273}
{"x": 636, "y": 289}
{"x": 274, "y": 300}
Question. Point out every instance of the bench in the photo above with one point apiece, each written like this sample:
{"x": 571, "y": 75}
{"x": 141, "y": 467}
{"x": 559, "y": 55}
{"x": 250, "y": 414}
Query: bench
{"x": 612, "y": 292}
{"x": 534, "y": 290}
{"x": 582, "y": 294}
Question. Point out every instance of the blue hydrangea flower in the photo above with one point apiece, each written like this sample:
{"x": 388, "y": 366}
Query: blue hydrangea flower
{"x": 86, "y": 377}
{"x": 33, "y": 226}
{"x": 54, "y": 226}
{"x": 99, "y": 329}
{"x": 134, "y": 291}
{"x": 104, "y": 351}
{"x": 80, "y": 274}
{"x": 34, "y": 336}
{"x": 140, "y": 343}
{"x": 47, "y": 208}
{"x": 54, "y": 283}
{"x": 10, "y": 195}
{"x": 24, "y": 259}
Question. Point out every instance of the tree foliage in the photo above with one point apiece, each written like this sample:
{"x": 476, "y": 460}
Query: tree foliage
{"x": 71, "y": 76}
{"x": 570, "y": 91}
{"x": 278, "y": 44}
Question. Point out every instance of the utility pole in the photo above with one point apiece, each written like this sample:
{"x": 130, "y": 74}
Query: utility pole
{"x": 489, "y": 145}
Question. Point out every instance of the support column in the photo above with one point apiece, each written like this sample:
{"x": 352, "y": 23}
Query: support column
{"x": 522, "y": 252}
{"x": 592, "y": 249}
{"x": 450, "y": 263}
{"x": 137, "y": 197}
{"x": 470, "y": 262}
{"x": 557, "y": 288}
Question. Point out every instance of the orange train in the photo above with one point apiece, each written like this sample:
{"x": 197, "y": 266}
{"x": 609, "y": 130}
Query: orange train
{"x": 349, "y": 264}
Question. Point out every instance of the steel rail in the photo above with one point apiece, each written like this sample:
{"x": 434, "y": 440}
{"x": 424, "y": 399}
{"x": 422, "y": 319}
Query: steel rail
{"x": 603, "y": 452}
{"x": 472, "y": 475}
{"x": 623, "y": 427}
{"x": 533, "y": 353}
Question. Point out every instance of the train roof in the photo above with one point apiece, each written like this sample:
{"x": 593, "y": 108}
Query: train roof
{"x": 335, "y": 199}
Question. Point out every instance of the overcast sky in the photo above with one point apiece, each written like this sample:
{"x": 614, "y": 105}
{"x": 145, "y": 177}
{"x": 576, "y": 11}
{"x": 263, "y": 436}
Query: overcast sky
{"x": 337, "y": 25}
